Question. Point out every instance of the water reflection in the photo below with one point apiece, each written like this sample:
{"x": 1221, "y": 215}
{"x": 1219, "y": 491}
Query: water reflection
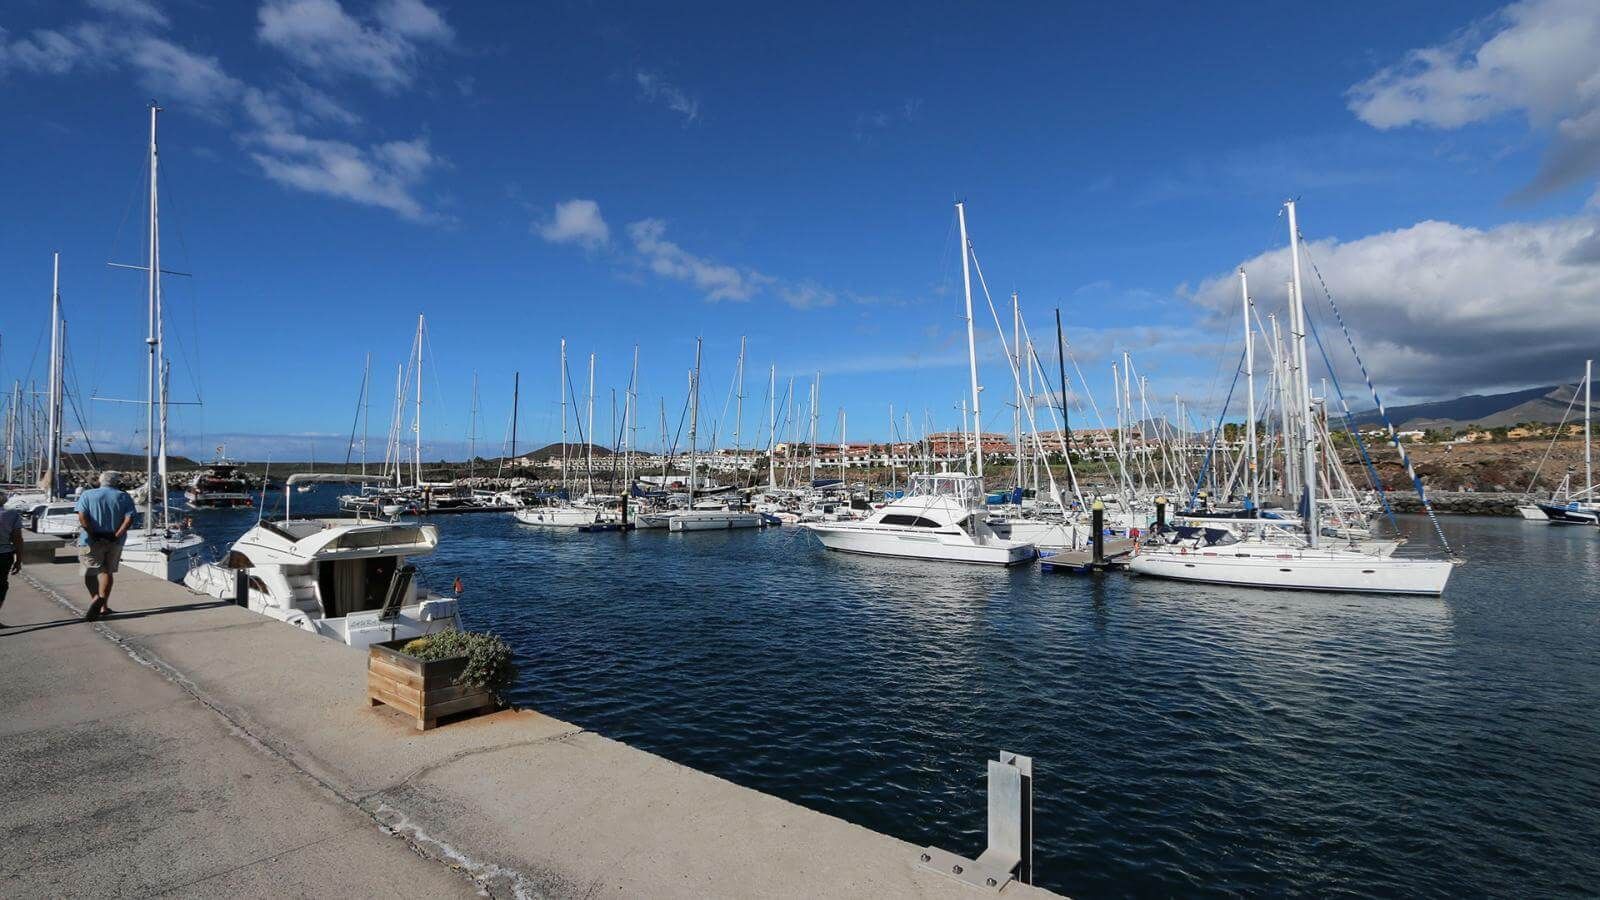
{"x": 1190, "y": 740}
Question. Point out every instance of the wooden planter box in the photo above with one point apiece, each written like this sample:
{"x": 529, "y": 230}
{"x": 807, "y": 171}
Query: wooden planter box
{"x": 423, "y": 690}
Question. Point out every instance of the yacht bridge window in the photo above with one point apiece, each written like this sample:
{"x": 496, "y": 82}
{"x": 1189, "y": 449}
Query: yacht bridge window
{"x": 913, "y": 521}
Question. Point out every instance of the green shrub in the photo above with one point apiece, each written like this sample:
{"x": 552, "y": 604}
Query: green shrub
{"x": 490, "y": 665}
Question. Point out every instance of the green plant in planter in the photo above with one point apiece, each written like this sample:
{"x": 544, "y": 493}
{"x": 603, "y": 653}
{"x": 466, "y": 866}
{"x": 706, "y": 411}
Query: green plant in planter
{"x": 490, "y": 665}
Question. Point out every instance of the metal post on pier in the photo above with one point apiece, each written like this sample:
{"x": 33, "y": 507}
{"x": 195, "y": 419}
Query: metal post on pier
{"x": 1097, "y": 523}
{"x": 1009, "y": 855}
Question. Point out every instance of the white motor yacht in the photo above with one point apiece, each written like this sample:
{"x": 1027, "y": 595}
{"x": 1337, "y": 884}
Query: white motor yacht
{"x": 345, "y": 579}
{"x": 941, "y": 517}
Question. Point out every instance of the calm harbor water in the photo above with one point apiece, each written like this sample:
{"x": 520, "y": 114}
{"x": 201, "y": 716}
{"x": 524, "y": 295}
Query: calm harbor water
{"x": 1187, "y": 740}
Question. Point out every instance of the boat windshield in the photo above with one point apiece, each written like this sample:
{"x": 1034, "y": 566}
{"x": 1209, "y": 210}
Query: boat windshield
{"x": 968, "y": 489}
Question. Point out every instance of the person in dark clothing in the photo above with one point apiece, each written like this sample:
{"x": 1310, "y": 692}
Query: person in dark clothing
{"x": 10, "y": 548}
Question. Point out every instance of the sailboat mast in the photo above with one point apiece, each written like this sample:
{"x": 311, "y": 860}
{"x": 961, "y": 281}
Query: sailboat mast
{"x": 151, "y": 342}
{"x": 816, "y": 398}
{"x": 843, "y": 447}
{"x": 588, "y": 452}
{"x": 161, "y": 469}
{"x": 694, "y": 419}
{"x": 1061, "y": 372}
{"x": 11, "y": 431}
{"x": 738, "y": 402}
{"x": 418, "y": 474}
{"x": 1309, "y": 450}
{"x": 631, "y": 418}
{"x": 1016, "y": 354}
{"x": 561, "y": 389}
{"x": 366, "y": 409}
{"x": 772, "y": 426}
{"x": 53, "y": 439}
{"x": 1254, "y": 480}
{"x": 1588, "y": 455}
{"x": 516, "y": 403}
{"x": 972, "y": 344}
{"x": 472, "y": 428}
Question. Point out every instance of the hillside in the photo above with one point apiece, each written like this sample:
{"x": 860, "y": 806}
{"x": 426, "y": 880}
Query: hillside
{"x": 1543, "y": 404}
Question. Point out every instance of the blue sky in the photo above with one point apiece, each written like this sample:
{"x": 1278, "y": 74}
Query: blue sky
{"x": 638, "y": 173}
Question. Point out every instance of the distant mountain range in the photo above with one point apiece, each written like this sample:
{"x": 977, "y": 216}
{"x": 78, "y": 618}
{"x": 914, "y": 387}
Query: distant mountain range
{"x": 1542, "y": 404}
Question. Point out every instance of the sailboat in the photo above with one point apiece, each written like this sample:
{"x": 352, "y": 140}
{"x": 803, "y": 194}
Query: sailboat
{"x": 1581, "y": 507}
{"x": 559, "y": 512}
{"x": 1220, "y": 556}
{"x": 48, "y": 510}
{"x": 159, "y": 548}
{"x": 704, "y": 514}
{"x": 942, "y": 517}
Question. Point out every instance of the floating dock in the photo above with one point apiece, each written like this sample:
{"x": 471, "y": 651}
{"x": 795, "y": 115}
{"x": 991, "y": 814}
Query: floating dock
{"x": 1082, "y": 562}
{"x": 190, "y": 746}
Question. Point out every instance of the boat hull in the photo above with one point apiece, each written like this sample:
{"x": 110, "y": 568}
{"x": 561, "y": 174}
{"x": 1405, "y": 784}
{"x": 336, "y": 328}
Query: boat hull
{"x": 168, "y": 558}
{"x": 1533, "y": 513}
{"x": 930, "y": 546}
{"x": 713, "y": 520}
{"x": 1356, "y": 573}
{"x": 557, "y": 516}
{"x": 1570, "y": 514}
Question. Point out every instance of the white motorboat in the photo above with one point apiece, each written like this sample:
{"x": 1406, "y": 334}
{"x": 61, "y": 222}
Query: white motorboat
{"x": 219, "y": 486}
{"x": 941, "y": 517}
{"x": 57, "y": 518}
{"x": 345, "y": 579}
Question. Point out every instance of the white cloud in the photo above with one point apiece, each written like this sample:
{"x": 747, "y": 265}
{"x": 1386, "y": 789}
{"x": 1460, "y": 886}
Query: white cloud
{"x": 807, "y": 295}
{"x": 175, "y": 73}
{"x": 383, "y": 175}
{"x": 50, "y": 51}
{"x": 576, "y": 222}
{"x": 276, "y": 121}
{"x": 658, "y": 90}
{"x": 326, "y": 41}
{"x": 579, "y": 222}
{"x": 1535, "y": 57}
{"x": 1441, "y": 309}
{"x": 666, "y": 259}
{"x": 141, "y": 11}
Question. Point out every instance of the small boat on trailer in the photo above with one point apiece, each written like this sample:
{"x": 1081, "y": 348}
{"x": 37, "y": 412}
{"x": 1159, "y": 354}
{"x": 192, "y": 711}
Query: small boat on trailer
{"x": 345, "y": 579}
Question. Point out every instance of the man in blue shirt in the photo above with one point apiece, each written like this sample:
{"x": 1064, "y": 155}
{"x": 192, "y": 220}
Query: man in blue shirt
{"x": 105, "y": 515}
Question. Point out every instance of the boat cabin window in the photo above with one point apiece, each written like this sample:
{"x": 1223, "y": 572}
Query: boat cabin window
{"x": 399, "y": 534}
{"x": 355, "y": 585}
{"x": 913, "y": 521}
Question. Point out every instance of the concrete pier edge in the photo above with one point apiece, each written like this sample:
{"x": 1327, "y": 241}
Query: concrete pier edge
{"x": 512, "y": 804}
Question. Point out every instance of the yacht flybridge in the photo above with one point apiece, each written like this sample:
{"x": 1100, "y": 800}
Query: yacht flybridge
{"x": 941, "y": 517}
{"x": 345, "y": 579}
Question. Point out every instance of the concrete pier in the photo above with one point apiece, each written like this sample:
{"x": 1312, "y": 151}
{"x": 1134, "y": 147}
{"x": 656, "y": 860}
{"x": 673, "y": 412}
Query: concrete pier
{"x": 191, "y": 747}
